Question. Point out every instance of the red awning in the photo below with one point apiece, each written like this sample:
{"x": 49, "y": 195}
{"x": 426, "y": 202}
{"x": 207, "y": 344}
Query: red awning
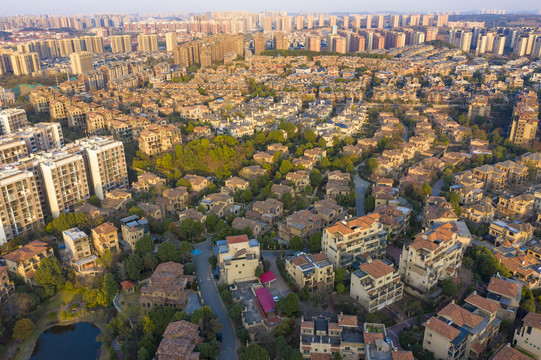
{"x": 265, "y": 299}
{"x": 267, "y": 277}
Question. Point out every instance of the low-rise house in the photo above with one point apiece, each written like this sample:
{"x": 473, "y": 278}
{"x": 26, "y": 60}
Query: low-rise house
{"x": 192, "y": 214}
{"x": 395, "y": 219}
{"x": 268, "y": 211}
{"x": 116, "y": 200}
{"x": 280, "y": 190}
{"x": 237, "y": 258}
{"x": 515, "y": 232}
{"x": 147, "y": 181}
{"x": 173, "y": 200}
{"x": 235, "y": 184}
{"x": 329, "y": 210}
{"x": 179, "y": 341}
{"x": 469, "y": 194}
{"x": 313, "y": 271}
{"x": 166, "y": 287}
{"x": 479, "y": 213}
{"x": 79, "y": 248}
{"x": 243, "y": 223}
{"x": 105, "y": 237}
{"x": 438, "y": 211}
{"x": 252, "y": 172}
{"x": 532, "y": 160}
{"x": 517, "y": 174}
{"x": 520, "y": 205}
{"x": 507, "y": 293}
{"x": 133, "y": 229}
{"x": 509, "y": 353}
{"x": 151, "y": 210}
{"x": 346, "y": 239}
{"x": 376, "y": 284}
{"x": 263, "y": 158}
{"x": 383, "y": 194}
{"x": 302, "y": 224}
{"x": 25, "y": 261}
{"x": 197, "y": 182}
{"x": 300, "y": 178}
{"x": 6, "y": 285}
{"x": 528, "y": 337}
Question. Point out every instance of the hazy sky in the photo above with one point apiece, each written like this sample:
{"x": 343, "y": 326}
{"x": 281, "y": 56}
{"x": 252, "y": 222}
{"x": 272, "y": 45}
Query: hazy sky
{"x": 139, "y": 6}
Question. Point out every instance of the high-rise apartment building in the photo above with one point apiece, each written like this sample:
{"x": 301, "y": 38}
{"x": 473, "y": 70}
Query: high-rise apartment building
{"x": 267, "y": 24}
{"x": 394, "y": 21}
{"x": 170, "y": 41}
{"x": 105, "y": 164}
{"x": 347, "y": 239}
{"x": 310, "y": 22}
{"x": 64, "y": 180}
{"x": 525, "y": 120}
{"x": 379, "y": 21}
{"x": 332, "y": 20}
{"x": 442, "y": 20}
{"x": 20, "y": 208}
{"x": 368, "y": 22}
{"x": 259, "y": 43}
{"x": 41, "y": 137}
{"x": 281, "y": 41}
{"x": 12, "y": 120}
{"x": 314, "y": 43}
{"x": 92, "y": 44}
{"x": 121, "y": 43}
{"x": 81, "y": 62}
{"x": 24, "y": 64}
{"x": 147, "y": 43}
{"x": 499, "y": 45}
{"x": 321, "y": 21}
{"x": 299, "y": 22}
{"x": 11, "y": 150}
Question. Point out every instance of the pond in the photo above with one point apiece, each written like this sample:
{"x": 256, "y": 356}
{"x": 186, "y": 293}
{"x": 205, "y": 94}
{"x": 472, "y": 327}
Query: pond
{"x": 76, "y": 341}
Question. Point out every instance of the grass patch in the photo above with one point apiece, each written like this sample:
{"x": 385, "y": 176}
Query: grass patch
{"x": 129, "y": 299}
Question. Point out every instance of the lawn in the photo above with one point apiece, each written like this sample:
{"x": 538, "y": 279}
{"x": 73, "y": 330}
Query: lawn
{"x": 129, "y": 299}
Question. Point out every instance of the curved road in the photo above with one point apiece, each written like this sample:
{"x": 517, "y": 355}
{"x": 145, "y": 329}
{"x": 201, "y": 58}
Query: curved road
{"x": 436, "y": 188}
{"x": 211, "y": 297}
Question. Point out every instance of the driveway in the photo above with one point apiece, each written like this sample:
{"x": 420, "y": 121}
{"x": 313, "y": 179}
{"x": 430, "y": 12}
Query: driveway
{"x": 360, "y": 188}
{"x": 209, "y": 291}
{"x": 394, "y": 331}
{"x": 436, "y": 188}
{"x": 279, "y": 283}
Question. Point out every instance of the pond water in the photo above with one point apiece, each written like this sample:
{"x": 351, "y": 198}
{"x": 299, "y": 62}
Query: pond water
{"x": 76, "y": 341}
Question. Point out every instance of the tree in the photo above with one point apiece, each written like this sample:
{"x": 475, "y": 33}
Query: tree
{"x": 94, "y": 200}
{"x": 449, "y": 287}
{"x": 23, "y": 329}
{"x": 369, "y": 203}
{"x": 315, "y": 178}
{"x": 310, "y": 136}
{"x": 148, "y": 324}
{"x": 485, "y": 264}
{"x": 340, "y": 288}
{"x": 150, "y": 261}
{"x": 110, "y": 287}
{"x": 235, "y": 312}
{"x": 209, "y": 350}
{"x": 50, "y": 275}
{"x": 314, "y": 242}
{"x": 285, "y": 167}
{"x": 254, "y": 352}
{"x": 426, "y": 189}
{"x": 288, "y": 305}
{"x": 134, "y": 266}
{"x": 94, "y": 298}
{"x": 258, "y": 271}
{"x": 134, "y": 210}
{"x": 144, "y": 245}
{"x": 190, "y": 230}
{"x": 340, "y": 275}
{"x": 211, "y": 222}
{"x": 296, "y": 244}
{"x": 372, "y": 165}
{"x": 167, "y": 251}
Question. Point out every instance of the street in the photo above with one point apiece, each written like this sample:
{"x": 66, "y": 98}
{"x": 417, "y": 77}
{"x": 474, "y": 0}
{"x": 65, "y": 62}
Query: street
{"x": 280, "y": 283}
{"x": 360, "y": 188}
{"x": 211, "y": 297}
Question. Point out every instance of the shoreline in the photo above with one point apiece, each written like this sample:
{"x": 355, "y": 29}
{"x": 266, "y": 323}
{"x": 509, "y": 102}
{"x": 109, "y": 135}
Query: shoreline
{"x": 25, "y": 354}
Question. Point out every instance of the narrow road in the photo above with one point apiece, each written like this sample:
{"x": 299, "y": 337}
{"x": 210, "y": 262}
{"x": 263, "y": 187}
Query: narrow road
{"x": 228, "y": 348}
{"x": 280, "y": 283}
{"x": 360, "y": 188}
{"x": 405, "y": 136}
{"x": 436, "y": 189}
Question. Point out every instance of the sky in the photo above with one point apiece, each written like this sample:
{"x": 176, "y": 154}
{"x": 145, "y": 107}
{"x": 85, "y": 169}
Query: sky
{"x": 65, "y": 7}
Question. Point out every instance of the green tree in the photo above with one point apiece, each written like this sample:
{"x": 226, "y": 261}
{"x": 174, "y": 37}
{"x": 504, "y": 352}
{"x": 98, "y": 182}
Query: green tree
{"x": 315, "y": 178}
{"x": 110, "y": 287}
{"x": 288, "y": 305}
{"x": 296, "y": 244}
{"x": 50, "y": 275}
{"x": 94, "y": 298}
{"x": 185, "y": 249}
{"x": 167, "y": 251}
{"x": 449, "y": 287}
{"x": 369, "y": 204}
{"x": 144, "y": 245}
{"x": 426, "y": 189}
{"x": 134, "y": 266}
{"x": 190, "y": 230}
{"x": 134, "y": 210}
{"x": 150, "y": 261}
{"x": 235, "y": 312}
{"x": 258, "y": 271}
{"x": 340, "y": 275}
{"x": 314, "y": 243}
{"x": 285, "y": 167}
{"x": 340, "y": 288}
{"x": 372, "y": 165}
{"x": 23, "y": 329}
{"x": 254, "y": 352}
{"x": 94, "y": 200}
{"x": 310, "y": 136}
{"x": 211, "y": 222}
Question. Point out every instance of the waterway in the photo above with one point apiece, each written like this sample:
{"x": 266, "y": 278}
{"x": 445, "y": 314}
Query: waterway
{"x": 67, "y": 342}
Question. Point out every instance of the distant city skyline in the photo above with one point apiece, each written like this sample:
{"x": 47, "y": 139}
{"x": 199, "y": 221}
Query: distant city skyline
{"x": 65, "y": 7}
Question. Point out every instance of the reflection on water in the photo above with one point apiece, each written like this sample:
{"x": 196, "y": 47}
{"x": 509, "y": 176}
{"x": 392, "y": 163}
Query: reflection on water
{"x": 76, "y": 341}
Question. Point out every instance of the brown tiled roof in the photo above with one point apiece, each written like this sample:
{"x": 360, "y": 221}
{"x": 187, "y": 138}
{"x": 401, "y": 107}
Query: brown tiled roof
{"x": 508, "y": 353}
{"x": 319, "y": 257}
{"x": 28, "y": 251}
{"x": 376, "y": 268}
{"x": 533, "y": 320}
{"x": 347, "y": 320}
{"x": 370, "y": 337}
{"x": 483, "y": 303}
{"x": 503, "y": 287}
{"x": 237, "y": 239}
{"x": 403, "y": 355}
{"x": 105, "y": 228}
{"x": 460, "y": 316}
{"x": 442, "y": 328}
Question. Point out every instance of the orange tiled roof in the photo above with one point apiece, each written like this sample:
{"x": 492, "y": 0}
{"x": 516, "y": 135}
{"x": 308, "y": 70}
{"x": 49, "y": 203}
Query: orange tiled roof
{"x": 460, "y": 316}
{"x": 483, "y": 303}
{"x": 377, "y": 268}
{"x": 442, "y": 328}
{"x": 503, "y": 287}
{"x": 533, "y": 320}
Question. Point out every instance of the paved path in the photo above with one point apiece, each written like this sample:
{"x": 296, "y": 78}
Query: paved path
{"x": 228, "y": 348}
{"x": 360, "y": 188}
{"x": 394, "y": 331}
{"x": 436, "y": 189}
{"x": 280, "y": 283}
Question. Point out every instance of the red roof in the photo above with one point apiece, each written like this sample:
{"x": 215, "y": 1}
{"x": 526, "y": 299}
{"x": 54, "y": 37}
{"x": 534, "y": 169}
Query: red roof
{"x": 237, "y": 239}
{"x": 265, "y": 299}
{"x": 267, "y": 277}
{"x": 127, "y": 285}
